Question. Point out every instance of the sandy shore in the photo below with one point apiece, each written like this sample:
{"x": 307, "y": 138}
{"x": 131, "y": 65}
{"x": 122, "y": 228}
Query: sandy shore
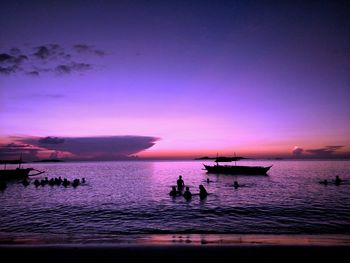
{"x": 207, "y": 248}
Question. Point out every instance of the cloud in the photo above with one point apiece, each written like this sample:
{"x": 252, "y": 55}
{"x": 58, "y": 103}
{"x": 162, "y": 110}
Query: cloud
{"x": 5, "y": 57}
{"x": 49, "y": 58}
{"x": 42, "y": 52}
{"x": 50, "y": 140}
{"x": 85, "y": 148}
{"x": 324, "y": 152}
{"x": 13, "y": 151}
{"x": 11, "y": 64}
{"x": 82, "y": 48}
{"x": 297, "y": 151}
{"x": 15, "y": 51}
{"x": 8, "y": 70}
{"x": 99, "y": 53}
{"x": 68, "y": 68}
{"x": 63, "y": 69}
{"x": 33, "y": 73}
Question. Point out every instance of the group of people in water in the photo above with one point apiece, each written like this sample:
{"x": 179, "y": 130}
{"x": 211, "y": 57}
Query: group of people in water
{"x": 55, "y": 181}
{"x": 187, "y": 193}
{"x": 337, "y": 181}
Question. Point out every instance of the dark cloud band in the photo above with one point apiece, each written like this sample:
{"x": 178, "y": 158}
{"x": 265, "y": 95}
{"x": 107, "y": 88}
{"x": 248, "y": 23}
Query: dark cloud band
{"x": 79, "y": 148}
{"x": 49, "y": 58}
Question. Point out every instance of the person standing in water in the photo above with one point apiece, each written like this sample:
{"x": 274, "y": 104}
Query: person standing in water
{"x": 337, "y": 180}
{"x": 180, "y": 184}
{"x": 202, "y": 192}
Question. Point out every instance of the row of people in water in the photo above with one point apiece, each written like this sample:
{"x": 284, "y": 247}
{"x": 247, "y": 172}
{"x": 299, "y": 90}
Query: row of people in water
{"x": 187, "y": 193}
{"x": 337, "y": 181}
{"x": 55, "y": 181}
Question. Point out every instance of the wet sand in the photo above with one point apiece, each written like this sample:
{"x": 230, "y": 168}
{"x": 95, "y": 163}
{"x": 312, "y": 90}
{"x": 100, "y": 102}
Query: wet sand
{"x": 205, "y": 248}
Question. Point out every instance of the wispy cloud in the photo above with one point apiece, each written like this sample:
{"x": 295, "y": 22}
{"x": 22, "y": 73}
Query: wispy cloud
{"x": 82, "y": 48}
{"x": 49, "y": 58}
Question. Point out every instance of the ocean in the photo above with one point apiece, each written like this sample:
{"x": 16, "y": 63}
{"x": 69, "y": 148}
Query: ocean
{"x": 124, "y": 198}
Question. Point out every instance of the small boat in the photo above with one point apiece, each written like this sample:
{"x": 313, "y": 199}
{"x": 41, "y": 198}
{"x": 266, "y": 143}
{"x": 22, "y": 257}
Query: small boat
{"x": 16, "y": 173}
{"x": 235, "y": 169}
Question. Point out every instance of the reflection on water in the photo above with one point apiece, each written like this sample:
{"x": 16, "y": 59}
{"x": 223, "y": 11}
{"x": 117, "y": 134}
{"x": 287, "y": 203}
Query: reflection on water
{"x": 132, "y": 198}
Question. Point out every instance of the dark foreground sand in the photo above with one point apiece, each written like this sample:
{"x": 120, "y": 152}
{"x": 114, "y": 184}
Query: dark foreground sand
{"x": 197, "y": 248}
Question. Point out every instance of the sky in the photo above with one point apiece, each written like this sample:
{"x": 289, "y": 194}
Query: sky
{"x": 104, "y": 80}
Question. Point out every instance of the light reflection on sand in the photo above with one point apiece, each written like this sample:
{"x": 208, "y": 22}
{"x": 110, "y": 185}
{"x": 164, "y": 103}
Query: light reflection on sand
{"x": 230, "y": 239}
{"x": 178, "y": 239}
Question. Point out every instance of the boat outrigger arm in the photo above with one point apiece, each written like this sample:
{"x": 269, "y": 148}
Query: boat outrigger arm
{"x": 38, "y": 172}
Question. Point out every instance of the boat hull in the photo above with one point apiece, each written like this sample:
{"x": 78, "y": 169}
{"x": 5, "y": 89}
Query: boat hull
{"x": 19, "y": 173}
{"x": 233, "y": 169}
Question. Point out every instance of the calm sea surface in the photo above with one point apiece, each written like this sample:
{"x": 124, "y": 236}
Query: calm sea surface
{"x": 132, "y": 198}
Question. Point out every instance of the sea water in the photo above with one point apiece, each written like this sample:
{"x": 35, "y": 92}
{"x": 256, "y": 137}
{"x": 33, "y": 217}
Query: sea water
{"x": 132, "y": 197}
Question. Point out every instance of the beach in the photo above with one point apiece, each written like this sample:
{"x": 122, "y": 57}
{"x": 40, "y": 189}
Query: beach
{"x": 205, "y": 248}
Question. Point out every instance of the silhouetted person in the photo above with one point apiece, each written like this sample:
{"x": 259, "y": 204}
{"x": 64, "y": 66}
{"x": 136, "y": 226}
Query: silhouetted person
{"x": 325, "y": 182}
{"x": 202, "y": 192}
{"x": 83, "y": 180}
{"x": 235, "y": 184}
{"x": 187, "y": 194}
{"x": 36, "y": 182}
{"x": 337, "y": 180}
{"x": 75, "y": 183}
{"x": 174, "y": 192}
{"x": 180, "y": 183}
{"x": 25, "y": 182}
{"x": 65, "y": 182}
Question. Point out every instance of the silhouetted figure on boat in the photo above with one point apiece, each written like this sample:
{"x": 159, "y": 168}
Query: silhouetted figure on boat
{"x": 180, "y": 184}
{"x": 187, "y": 194}
{"x": 235, "y": 184}
{"x": 337, "y": 180}
{"x": 174, "y": 192}
{"x": 83, "y": 180}
{"x": 202, "y": 192}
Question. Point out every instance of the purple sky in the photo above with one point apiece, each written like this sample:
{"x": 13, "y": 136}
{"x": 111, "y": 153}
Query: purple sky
{"x": 259, "y": 78}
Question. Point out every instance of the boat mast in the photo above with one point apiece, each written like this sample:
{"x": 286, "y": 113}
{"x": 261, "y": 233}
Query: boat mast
{"x": 20, "y": 161}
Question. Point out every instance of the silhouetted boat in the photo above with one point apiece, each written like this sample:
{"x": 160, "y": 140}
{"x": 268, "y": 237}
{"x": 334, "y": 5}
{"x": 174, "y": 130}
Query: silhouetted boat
{"x": 235, "y": 169}
{"x": 16, "y": 173}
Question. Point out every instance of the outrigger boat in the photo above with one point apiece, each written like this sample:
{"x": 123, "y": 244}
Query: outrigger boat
{"x": 235, "y": 169}
{"x": 16, "y": 173}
